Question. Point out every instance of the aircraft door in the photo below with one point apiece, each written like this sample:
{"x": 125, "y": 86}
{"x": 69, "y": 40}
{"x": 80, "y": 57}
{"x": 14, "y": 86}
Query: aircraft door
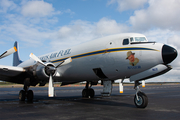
{"x": 109, "y": 55}
{"x": 109, "y": 58}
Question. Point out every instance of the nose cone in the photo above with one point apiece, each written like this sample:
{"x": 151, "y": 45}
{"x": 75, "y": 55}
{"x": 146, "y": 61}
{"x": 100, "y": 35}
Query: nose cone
{"x": 168, "y": 54}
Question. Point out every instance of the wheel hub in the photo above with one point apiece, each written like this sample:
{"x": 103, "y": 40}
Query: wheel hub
{"x": 139, "y": 102}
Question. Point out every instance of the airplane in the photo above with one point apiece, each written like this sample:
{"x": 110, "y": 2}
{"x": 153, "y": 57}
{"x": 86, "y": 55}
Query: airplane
{"x": 110, "y": 58}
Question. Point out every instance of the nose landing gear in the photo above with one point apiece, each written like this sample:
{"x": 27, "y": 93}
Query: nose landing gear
{"x": 140, "y": 98}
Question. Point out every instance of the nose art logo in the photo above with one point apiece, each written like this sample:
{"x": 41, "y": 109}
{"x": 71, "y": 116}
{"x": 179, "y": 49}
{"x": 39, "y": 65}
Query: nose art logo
{"x": 132, "y": 60}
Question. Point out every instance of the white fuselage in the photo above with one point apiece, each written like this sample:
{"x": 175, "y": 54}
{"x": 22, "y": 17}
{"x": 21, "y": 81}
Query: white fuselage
{"x": 109, "y": 54}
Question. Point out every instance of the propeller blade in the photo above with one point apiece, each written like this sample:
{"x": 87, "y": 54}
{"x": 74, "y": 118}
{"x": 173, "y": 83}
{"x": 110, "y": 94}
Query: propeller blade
{"x": 36, "y": 59}
{"x": 8, "y": 52}
{"x": 143, "y": 83}
{"x": 67, "y": 61}
{"x": 120, "y": 86}
{"x": 51, "y": 87}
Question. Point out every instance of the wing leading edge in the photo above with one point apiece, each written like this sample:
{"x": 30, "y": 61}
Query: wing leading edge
{"x": 11, "y": 74}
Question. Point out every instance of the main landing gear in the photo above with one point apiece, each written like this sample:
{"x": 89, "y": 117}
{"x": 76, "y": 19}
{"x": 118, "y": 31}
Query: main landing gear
{"x": 88, "y": 91}
{"x": 23, "y": 94}
{"x": 140, "y": 98}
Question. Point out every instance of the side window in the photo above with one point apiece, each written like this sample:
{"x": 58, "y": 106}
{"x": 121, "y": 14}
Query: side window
{"x": 125, "y": 41}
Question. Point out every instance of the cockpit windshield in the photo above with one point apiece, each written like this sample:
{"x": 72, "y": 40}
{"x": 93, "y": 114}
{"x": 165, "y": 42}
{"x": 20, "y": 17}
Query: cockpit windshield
{"x": 138, "y": 39}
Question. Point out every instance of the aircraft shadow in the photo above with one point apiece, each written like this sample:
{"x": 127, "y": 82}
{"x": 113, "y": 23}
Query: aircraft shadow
{"x": 97, "y": 100}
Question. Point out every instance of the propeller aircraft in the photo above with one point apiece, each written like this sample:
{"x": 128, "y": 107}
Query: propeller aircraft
{"x": 115, "y": 57}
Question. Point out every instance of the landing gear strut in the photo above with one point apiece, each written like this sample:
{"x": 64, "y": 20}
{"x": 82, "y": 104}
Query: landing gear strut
{"x": 88, "y": 91}
{"x": 140, "y": 98}
{"x": 23, "y": 94}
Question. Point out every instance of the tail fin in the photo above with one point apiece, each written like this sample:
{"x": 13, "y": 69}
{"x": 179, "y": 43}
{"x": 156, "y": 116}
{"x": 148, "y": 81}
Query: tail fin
{"x": 16, "y": 59}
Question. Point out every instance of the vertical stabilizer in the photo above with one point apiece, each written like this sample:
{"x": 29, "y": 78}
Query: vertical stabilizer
{"x": 16, "y": 59}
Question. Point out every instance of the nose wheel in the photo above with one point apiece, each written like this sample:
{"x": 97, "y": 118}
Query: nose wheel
{"x": 140, "y": 98}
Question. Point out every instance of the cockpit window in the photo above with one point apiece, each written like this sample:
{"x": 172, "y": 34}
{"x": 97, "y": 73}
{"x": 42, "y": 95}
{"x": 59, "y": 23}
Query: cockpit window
{"x": 131, "y": 39}
{"x": 125, "y": 41}
{"x": 140, "y": 39}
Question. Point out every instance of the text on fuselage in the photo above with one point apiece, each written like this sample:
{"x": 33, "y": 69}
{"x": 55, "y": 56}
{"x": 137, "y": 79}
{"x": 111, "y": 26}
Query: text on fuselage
{"x": 55, "y": 55}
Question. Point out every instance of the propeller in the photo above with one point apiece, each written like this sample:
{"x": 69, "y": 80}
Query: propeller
{"x": 50, "y": 70}
{"x": 67, "y": 61}
{"x": 51, "y": 87}
{"x": 8, "y": 52}
{"x": 36, "y": 59}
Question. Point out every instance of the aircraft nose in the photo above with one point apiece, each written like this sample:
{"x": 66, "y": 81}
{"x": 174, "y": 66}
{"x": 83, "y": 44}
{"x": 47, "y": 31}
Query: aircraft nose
{"x": 168, "y": 54}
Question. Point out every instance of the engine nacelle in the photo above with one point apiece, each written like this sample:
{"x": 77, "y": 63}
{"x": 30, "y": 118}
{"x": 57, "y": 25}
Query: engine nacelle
{"x": 42, "y": 73}
{"x": 153, "y": 72}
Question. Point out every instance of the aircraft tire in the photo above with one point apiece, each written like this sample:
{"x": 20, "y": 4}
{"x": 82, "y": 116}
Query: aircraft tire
{"x": 91, "y": 92}
{"x": 88, "y": 92}
{"x": 22, "y": 95}
{"x": 30, "y": 96}
{"x": 85, "y": 93}
{"x": 143, "y": 100}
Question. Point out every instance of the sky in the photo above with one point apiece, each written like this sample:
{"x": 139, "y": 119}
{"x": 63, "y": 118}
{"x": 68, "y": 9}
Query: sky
{"x": 43, "y": 26}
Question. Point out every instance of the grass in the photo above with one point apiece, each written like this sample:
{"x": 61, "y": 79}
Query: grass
{"x": 6, "y": 83}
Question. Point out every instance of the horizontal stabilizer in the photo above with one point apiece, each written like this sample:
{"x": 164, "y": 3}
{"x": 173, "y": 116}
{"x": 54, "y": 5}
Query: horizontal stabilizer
{"x": 153, "y": 72}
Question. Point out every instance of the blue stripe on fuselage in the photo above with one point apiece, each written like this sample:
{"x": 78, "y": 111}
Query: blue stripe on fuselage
{"x": 105, "y": 51}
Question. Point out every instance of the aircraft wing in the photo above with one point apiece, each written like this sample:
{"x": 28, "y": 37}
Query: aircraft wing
{"x": 6, "y": 72}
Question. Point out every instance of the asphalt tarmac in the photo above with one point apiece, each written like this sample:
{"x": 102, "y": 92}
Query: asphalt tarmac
{"x": 164, "y": 103}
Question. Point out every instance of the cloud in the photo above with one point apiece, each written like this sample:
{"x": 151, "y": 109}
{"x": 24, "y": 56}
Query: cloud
{"x": 124, "y": 5}
{"x": 69, "y": 11}
{"x": 6, "y": 5}
{"x": 174, "y": 40}
{"x": 107, "y": 26}
{"x": 159, "y": 35}
{"x": 161, "y": 14}
{"x": 32, "y": 24}
{"x": 31, "y": 35}
{"x": 38, "y": 9}
{"x": 1, "y": 42}
{"x": 16, "y": 27}
{"x": 80, "y": 31}
{"x": 76, "y": 32}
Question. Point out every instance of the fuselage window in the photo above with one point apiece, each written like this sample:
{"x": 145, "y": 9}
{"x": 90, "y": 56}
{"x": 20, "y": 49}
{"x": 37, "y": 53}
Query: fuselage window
{"x": 125, "y": 41}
